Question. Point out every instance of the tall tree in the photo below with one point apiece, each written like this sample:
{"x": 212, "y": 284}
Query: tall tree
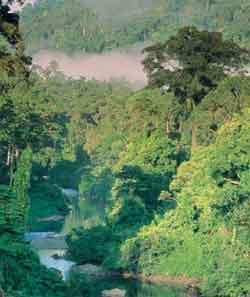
{"x": 192, "y": 62}
{"x": 20, "y": 188}
{"x": 13, "y": 62}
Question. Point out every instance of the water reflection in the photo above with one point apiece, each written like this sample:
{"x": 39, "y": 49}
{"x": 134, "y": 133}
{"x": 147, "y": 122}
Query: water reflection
{"x": 83, "y": 286}
{"x": 133, "y": 288}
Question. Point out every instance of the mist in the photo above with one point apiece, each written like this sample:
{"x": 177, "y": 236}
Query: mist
{"x": 114, "y": 65}
{"x": 17, "y": 7}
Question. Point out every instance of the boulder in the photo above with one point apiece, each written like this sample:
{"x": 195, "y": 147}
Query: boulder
{"x": 114, "y": 293}
{"x": 51, "y": 219}
{"x": 90, "y": 270}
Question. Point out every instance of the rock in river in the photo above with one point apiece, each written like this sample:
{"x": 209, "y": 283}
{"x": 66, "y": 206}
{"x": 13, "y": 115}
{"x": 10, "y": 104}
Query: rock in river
{"x": 114, "y": 293}
{"x": 90, "y": 270}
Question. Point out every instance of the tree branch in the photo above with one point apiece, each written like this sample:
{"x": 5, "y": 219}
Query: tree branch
{"x": 233, "y": 182}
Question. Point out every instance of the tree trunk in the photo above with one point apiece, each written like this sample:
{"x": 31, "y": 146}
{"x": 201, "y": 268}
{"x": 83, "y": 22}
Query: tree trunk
{"x": 12, "y": 164}
{"x": 2, "y": 292}
{"x": 180, "y": 127}
{"x": 84, "y": 31}
{"x": 8, "y": 156}
{"x": 168, "y": 126}
{"x": 194, "y": 137}
{"x": 234, "y": 236}
{"x": 17, "y": 153}
{"x": 194, "y": 127}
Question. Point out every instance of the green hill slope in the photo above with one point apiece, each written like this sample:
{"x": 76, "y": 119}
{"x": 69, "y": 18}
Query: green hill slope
{"x": 92, "y": 26}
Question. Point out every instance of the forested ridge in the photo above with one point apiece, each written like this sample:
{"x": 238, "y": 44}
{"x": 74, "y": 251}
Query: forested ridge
{"x": 162, "y": 173}
{"x": 90, "y": 26}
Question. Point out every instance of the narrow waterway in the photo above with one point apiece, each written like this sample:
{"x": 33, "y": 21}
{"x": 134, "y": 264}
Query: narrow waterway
{"x": 52, "y": 247}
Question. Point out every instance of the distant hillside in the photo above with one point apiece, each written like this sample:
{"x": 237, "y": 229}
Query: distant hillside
{"x": 115, "y": 9}
{"x": 62, "y": 24}
{"x": 96, "y": 26}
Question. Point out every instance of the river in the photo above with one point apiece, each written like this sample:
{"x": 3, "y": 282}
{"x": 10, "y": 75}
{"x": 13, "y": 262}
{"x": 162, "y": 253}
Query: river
{"x": 48, "y": 244}
{"x": 51, "y": 248}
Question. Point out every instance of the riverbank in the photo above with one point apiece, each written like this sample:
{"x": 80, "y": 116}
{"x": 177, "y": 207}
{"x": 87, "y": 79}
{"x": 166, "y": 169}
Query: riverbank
{"x": 170, "y": 281}
{"x": 181, "y": 281}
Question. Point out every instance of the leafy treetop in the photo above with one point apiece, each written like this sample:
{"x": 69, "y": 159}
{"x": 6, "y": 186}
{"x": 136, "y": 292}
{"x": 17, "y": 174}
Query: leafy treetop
{"x": 192, "y": 62}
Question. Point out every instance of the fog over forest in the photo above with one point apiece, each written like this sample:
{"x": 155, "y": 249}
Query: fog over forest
{"x": 125, "y": 64}
{"x": 113, "y": 65}
{"x": 124, "y": 148}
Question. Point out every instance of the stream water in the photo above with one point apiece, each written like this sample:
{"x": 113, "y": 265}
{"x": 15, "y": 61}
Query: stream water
{"x": 62, "y": 265}
{"x": 49, "y": 244}
{"x": 132, "y": 288}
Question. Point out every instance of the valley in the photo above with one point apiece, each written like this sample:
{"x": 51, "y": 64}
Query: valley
{"x": 122, "y": 175}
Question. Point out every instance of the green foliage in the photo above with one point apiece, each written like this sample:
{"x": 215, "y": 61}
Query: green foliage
{"x": 85, "y": 213}
{"x": 227, "y": 270}
{"x": 230, "y": 97}
{"x": 199, "y": 59}
{"x": 15, "y": 201}
{"x": 94, "y": 26}
{"x": 48, "y": 208}
{"x": 155, "y": 153}
{"x": 96, "y": 187}
{"x": 20, "y": 271}
{"x": 207, "y": 235}
{"x": 20, "y": 188}
{"x": 68, "y": 173}
{"x": 142, "y": 172}
{"x": 22, "y": 275}
{"x": 90, "y": 245}
{"x": 25, "y": 122}
{"x": 128, "y": 212}
{"x": 141, "y": 253}
{"x": 85, "y": 286}
{"x": 13, "y": 62}
{"x": 44, "y": 27}
{"x": 142, "y": 207}
{"x": 8, "y": 209}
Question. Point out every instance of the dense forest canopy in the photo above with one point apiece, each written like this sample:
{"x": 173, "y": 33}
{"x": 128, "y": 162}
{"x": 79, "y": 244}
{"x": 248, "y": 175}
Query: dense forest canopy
{"x": 94, "y": 27}
{"x": 115, "y": 9}
{"x": 162, "y": 173}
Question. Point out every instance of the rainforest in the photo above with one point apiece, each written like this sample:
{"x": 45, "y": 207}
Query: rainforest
{"x": 125, "y": 148}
